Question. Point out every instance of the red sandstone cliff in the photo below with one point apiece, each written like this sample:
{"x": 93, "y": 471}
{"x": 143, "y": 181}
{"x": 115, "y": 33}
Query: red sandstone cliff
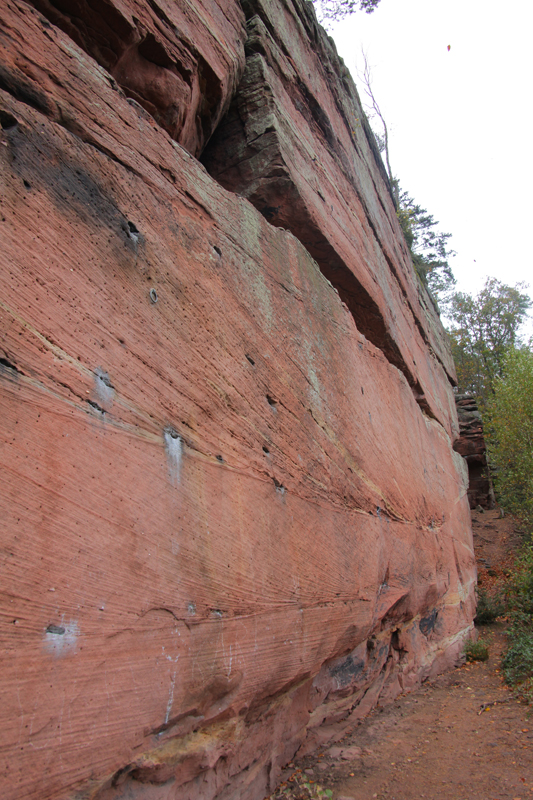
{"x": 232, "y": 512}
{"x": 471, "y": 445}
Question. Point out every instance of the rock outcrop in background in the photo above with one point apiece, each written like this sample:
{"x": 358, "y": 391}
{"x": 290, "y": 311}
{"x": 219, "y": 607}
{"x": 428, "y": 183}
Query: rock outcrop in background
{"x": 471, "y": 445}
{"x": 233, "y": 517}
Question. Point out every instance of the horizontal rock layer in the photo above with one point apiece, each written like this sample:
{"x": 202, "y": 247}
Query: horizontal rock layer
{"x": 297, "y": 144}
{"x": 471, "y": 445}
{"x": 229, "y": 526}
{"x": 180, "y": 61}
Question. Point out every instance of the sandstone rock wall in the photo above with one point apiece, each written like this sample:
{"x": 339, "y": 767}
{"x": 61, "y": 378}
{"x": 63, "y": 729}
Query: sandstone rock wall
{"x": 297, "y": 144}
{"x": 181, "y": 62}
{"x": 231, "y": 521}
{"x": 471, "y": 445}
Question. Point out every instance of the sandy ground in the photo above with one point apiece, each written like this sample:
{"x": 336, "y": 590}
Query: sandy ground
{"x": 459, "y": 737}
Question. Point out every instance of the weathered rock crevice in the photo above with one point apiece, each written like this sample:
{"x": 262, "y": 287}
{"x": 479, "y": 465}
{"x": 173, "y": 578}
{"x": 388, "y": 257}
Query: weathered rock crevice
{"x": 279, "y": 147}
{"x": 149, "y": 49}
{"x": 472, "y": 447}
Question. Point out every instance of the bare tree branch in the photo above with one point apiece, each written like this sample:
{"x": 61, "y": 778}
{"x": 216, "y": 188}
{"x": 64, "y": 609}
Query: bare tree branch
{"x": 373, "y": 110}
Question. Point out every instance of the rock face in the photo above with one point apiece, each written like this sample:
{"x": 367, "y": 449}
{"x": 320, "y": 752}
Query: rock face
{"x": 471, "y": 445}
{"x": 180, "y": 61}
{"x": 233, "y": 518}
{"x": 297, "y": 144}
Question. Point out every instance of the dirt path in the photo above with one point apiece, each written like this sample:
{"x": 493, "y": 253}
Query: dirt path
{"x": 460, "y": 737}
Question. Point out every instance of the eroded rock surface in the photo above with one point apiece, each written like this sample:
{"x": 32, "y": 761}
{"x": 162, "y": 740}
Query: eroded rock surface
{"x": 471, "y": 445}
{"x": 180, "y": 61}
{"x": 229, "y": 523}
{"x": 297, "y": 144}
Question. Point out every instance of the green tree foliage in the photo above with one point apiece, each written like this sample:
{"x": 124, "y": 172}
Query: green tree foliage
{"x": 334, "y": 10}
{"x": 509, "y": 416}
{"x": 429, "y": 247}
{"x": 486, "y": 326}
{"x": 510, "y": 428}
{"x": 518, "y": 660}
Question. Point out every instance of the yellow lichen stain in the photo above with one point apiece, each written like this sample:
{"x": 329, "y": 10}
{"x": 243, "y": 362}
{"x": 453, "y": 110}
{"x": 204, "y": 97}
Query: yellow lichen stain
{"x": 200, "y": 742}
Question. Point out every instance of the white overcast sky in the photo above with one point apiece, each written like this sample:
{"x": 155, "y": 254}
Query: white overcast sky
{"x": 460, "y": 120}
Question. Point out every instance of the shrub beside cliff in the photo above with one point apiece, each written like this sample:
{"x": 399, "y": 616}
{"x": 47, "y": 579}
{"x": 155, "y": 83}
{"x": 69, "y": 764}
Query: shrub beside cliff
{"x": 510, "y": 417}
